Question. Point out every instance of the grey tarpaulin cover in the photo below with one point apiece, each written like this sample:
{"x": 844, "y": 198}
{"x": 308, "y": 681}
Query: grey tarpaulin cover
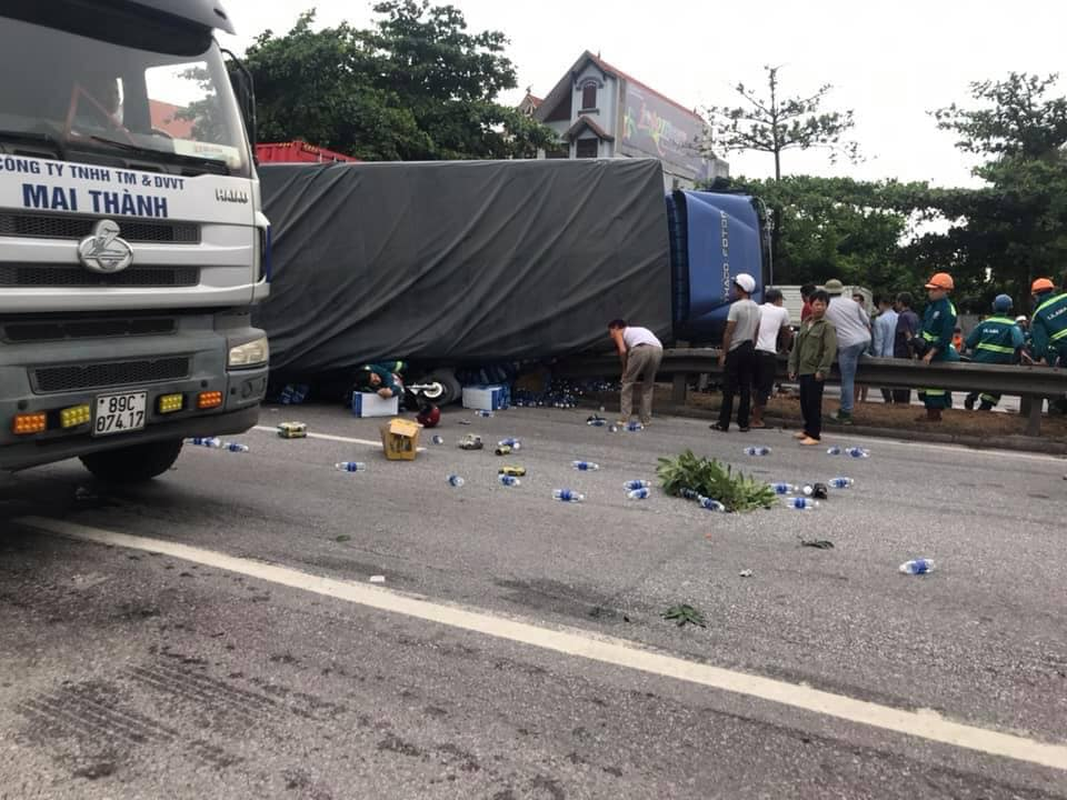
{"x": 460, "y": 262}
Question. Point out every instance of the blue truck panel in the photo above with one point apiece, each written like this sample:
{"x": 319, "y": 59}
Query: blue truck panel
{"x": 713, "y": 238}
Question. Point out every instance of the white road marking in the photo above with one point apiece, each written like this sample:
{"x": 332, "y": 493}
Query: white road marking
{"x": 585, "y": 644}
{"x": 331, "y": 438}
{"x": 955, "y": 449}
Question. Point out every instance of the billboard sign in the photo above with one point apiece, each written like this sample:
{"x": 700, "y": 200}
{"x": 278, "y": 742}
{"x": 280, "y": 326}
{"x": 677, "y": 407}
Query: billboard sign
{"x": 654, "y": 127}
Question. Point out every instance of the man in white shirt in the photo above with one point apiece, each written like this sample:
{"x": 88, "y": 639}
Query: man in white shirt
{"x": 774, "y": 335}
{"x": 738, "y": 355}
{"x": 641, "y": 353}
{"x": 853, "y": 338}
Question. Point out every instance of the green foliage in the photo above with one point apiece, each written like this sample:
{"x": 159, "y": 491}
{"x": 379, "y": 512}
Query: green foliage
{"x": 713, "y": 479}
{"x": 684, "y": 614}
{"x": 772, "y": 124}
{"x": 416, "y": 86}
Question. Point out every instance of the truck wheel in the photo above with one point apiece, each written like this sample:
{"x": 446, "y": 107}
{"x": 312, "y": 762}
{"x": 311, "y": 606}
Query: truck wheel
{"x": 453, "y": 390}
{"x": 134, "y": 464}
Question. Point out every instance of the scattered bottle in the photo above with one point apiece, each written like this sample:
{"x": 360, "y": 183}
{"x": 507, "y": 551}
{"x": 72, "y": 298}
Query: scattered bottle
{"x": 632, "y": 485}
{"x": 596, "y": 421}
{"x": 502, "y": 450}
{"x": 689, "y": 494}
{"x": 508, "y": 480}
{"x": 918, "y": 566}
{"x": 783, "y": 488}
{"x": 613, "y": 429}
{"x": 481, "y": 413}
{"x": 757, "y": 451}
{"x": 234, "y": 447}
{"x": 456, "y": 481}
{"x": 834, "y": 451}
{"x": 207, "y": 441}
{"x": 585, "y": 466}
{"x": 568, "y": 496}
{"x": 514, "y": 444}
{"x": 858, "y": 452}
{"x": 710, "y": 505}
{"x": 801, "y": 503}
{"x": 438, "y": 439}
{"x": 351, "y": 466}
{"x": 639, "y": 494}
{"x": 634, "y": 427}
{"x": 842, "y": 483}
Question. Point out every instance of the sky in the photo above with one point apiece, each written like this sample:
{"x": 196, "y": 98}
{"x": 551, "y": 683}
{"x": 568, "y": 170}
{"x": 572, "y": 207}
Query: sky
{"x": 891, "y": 63}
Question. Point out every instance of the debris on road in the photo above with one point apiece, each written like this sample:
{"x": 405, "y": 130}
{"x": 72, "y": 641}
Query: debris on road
{"x": 636, "y": 484}
{"x": 695, "y": 478}
{"x": 568, "y": 496}
{"x": 684, "y": 614}
{"x": 842, "y": 483}
{"x": 514, "y": 444}
{"x": 292, "y": 430}
{"x": 817, "y": 490}
{"x": 455, "y": 480}
{"x": 783, "y": 488}
{"x": 350, "y": 466}
{"x": 344, "y": 537}
{"x": 820, "y": 544}
{"x": 585, "y": 466}
{"x": 745, "y": 573}
{"x": 377, "y": 579}
{"x": 757, "y": 451}
{"x": 509, "y": 480}
{"x": 918, "y": 566}
{"x": 801, "y": 504}
{"x": 515, "y": 472}
{"x": 470, "y": 442}
{"x": 438, "y": 439}
{"x": 502, "y": 450}
{"x": 638, "y": 494}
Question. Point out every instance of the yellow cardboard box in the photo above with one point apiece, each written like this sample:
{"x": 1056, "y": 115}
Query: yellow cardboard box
{"x": 400, "y": 439}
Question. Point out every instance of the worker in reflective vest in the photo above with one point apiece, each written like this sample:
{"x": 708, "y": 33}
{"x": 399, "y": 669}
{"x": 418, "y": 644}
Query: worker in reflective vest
{"x": 939, "y": 324}
{"x": 996, "y": 340}
{"x": 1048, "y": 328}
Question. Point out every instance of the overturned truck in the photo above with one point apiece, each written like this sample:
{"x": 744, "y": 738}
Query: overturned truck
{"x": 459, "y": 264}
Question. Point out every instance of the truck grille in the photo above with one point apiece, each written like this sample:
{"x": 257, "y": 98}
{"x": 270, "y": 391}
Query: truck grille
{"x": 12, "y": 275}
{"x": 58, "y": 330}
{"x": 113, "y": 373}
{"x": 57, "y": 226}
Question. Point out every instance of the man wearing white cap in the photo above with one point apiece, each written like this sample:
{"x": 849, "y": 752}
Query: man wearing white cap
{"x": 738, "y": 357}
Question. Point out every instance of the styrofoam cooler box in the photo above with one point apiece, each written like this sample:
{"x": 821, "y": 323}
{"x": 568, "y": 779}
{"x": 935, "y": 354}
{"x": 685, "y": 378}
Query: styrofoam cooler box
{"x": 486, "y": 398}
{"x": 370, "y": 404}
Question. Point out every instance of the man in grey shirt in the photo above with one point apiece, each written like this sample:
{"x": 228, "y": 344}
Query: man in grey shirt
{"x": 853, "y": 338}
{"x": 738, "y": 357}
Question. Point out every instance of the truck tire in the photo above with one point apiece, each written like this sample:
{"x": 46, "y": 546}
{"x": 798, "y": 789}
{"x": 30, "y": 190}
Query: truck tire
{"x": 453, "y": 390}
{"x": 135, "y": 464}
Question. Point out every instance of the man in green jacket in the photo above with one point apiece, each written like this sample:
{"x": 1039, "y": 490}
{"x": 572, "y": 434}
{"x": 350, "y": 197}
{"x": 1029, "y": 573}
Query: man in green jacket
{"x": 811, "y": 359}
{"x": 939, "y": 324}
{"x": 1048, "y": 328}
{"x": 994, "y": 340}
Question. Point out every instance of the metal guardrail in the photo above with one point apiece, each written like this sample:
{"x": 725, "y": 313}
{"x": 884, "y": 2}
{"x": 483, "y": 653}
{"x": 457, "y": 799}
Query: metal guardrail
{"x": 1032, "y": 384}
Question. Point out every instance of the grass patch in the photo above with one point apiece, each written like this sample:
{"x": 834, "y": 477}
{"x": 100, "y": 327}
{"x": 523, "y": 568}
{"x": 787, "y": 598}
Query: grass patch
{"x": 713, "y": 479}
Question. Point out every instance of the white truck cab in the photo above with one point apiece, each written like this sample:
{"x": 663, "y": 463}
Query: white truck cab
{"x": 132, "y": 244}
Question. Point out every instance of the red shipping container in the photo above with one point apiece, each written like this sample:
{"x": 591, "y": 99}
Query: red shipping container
{"x": 297, "y": 152}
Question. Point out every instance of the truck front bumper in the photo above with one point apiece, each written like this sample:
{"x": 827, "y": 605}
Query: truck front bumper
{"x": 51, "y": 376}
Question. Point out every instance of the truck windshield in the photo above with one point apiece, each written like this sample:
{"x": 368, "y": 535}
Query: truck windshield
{"x": 75, "y": 97}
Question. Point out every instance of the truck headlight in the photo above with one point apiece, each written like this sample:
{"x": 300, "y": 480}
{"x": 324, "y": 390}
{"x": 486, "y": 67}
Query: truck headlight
{"x": 250, "y": 354}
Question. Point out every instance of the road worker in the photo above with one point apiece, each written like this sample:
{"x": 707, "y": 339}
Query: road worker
{"x": 995, "y": 340}
{"x": 939, "y": 324}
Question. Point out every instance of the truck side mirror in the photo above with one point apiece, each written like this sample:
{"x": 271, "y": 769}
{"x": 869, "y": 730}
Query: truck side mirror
{"x": 244, "y": 88}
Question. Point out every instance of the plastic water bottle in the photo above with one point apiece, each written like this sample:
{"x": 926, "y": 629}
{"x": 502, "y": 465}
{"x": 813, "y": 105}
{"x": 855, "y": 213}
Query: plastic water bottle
{"x": 858, "y": 452}
{"x": 455, "y": 480}
{"x": 783, "y": 488}
{"x": 710, "y": 505}
{"x": 834, "y": 451}
{"x": 438, "y": 439}
{"x": 585, "y": 466}
{"x": 596, "y": 422}
{"x": 508, "y": 480}
{"x": 207, "y": 441}
{"x": 613, "y": 429}
{"x": 842, "y": 483}
{"x": 918, "y": 566}
{"x": 689, "y": 494}
{"x": 634, "y": 427}
{"x": 234, "y": 447}
{"x": 351, "y": 466}
{"x": 801, "y": 503}
{"x": 632, "y": 485}
{"x": 757, "y": 451}
{"x": 639, "y": 494}
{"x": 481, "y": 413}
{"x": 568, "y": 496}
{"x": 514, "y": 444}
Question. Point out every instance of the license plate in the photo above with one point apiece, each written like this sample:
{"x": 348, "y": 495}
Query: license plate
{"x": 119, "y": 413}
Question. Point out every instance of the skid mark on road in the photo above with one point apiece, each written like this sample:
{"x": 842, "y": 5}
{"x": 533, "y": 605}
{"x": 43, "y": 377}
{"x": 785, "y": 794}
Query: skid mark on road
{"x": 584, "y": 644}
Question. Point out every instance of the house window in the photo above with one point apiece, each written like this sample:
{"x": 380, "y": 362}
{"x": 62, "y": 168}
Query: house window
{"x": 588, "y": 148}
{"x": 589, "y": 96}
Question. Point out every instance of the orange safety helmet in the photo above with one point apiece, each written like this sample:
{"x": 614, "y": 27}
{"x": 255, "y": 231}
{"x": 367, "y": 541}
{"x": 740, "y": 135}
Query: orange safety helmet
{"x": 1042, "y": 285}
{"x": 941, "y": 280}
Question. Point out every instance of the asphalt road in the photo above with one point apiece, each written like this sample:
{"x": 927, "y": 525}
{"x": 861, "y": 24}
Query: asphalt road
{"x": 516, "y": 648}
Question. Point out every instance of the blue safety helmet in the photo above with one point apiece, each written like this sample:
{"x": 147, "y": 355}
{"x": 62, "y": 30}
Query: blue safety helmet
{"x": 1002, "y": 304}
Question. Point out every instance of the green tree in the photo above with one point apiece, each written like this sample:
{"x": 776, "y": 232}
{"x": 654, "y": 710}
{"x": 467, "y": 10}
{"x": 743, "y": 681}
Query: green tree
{"x": 415, "y": 86}
{"x": 1014, "y": 228}
{"x": 772, "y": 124}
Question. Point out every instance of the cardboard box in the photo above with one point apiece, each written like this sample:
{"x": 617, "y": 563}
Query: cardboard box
{"x": 400, "y": 439}
{"x": 370, "y": 404}
{"x": 486, "y": 398}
